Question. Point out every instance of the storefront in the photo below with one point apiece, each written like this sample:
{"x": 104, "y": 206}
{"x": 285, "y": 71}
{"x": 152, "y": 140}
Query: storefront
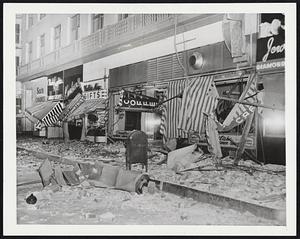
{"x": 270, "y": 68}
{"x": 88, "y": 120}
{"x": 32, "y": 93}
{"x": 44, "y": 117}
{"x": 162, "y": 78}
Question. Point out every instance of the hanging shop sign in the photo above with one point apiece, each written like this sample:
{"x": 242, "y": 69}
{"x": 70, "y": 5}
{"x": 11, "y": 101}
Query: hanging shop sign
{"x": 95, "y": 89}
{"x": 134, "y": 100}
{"x": 55, "y": 86}
{"x": 38, "y": 88}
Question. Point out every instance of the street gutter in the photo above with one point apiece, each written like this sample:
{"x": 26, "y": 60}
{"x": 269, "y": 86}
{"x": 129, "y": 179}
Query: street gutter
{"x": 180, "y": 190}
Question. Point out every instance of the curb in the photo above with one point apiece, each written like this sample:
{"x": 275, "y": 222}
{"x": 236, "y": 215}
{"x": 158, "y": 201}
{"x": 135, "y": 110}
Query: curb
{"x": 222, "y": 201}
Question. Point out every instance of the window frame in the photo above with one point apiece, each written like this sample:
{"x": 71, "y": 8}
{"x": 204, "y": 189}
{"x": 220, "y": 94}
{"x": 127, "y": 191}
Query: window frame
{"x": 42, "y": 47}
{"x": 30, "y": 51}
{"x": 75, "y": 27}
{"x": 99, "y": 19}
{"x": 42, "y": 15}
{"x": 18, "y": 33}
{"x": 57, "y": 37}
{"x": 30, "y": 20}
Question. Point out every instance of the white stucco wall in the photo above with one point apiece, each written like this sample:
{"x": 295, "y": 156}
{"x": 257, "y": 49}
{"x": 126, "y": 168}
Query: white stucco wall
{"x": 202, "y": 36}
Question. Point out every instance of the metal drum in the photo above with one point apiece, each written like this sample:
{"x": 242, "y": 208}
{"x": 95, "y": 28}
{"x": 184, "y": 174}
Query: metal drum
{"x": 136, "y": 149}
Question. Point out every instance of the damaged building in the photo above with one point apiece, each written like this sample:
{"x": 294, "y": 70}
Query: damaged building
{"x": 101, "y": 76}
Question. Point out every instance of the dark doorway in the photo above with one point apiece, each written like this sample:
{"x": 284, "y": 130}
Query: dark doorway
{"x": 132, "y": 120}
{"x": 74, "y": 131}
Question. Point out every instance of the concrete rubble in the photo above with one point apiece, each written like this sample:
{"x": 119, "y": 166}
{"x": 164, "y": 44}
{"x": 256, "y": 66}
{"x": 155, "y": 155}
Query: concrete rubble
{"x": 264, "y": 185}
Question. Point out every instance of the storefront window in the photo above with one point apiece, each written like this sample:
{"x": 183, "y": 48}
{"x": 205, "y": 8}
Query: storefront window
{"x": 132, "y": 121}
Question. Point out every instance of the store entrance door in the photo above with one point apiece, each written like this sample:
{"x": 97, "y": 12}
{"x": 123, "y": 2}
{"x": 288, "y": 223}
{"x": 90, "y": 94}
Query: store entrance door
{"x": 132, "y": 121}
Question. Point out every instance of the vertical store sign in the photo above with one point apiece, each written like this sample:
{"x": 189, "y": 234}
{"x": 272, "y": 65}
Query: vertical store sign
{"x": 55, "y": 86}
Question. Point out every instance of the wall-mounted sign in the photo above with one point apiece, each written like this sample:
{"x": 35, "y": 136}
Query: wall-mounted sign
{"x": 270, "y": 48}
{"x": 95, "y": 89}
{"x": 274, "y": 64}
{"x": 134, "y": 100}
{"x": 55, "y": 86}
{"x": 96, "y": 94}
{"x": 225, "y": 140}
{"x": 271, "y": 44}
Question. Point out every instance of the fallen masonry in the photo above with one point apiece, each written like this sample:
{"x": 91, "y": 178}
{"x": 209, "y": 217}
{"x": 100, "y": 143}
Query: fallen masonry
{"x": 92, "y": 177}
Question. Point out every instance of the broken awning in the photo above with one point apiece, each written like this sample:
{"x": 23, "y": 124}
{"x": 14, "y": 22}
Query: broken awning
{"x": 45, "y": 114}
{"x": 72, "y": 106}
{"x": 87, "y": 107}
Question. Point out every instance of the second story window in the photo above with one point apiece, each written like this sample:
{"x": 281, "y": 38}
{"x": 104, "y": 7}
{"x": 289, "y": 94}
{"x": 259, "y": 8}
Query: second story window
{"x": 17, "y": 33}
{"x": 75, "y": 21}
{"x": 57, "y": 37}
{"x": 97, "y": 21}
{"x": 42, "y": 16}
{"x": 42, "y": 45}
{"x": 123, "y": 16}
{"x": 17, "y": 63}
{"x": 30, "y": 20}
{"x": 30, "y": 51}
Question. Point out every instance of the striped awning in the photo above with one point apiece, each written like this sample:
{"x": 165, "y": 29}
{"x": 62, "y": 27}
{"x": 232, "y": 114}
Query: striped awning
{"x": 45, "y": 114}
{"x": 72, "y": 106}
{"x": 87, "y": 107}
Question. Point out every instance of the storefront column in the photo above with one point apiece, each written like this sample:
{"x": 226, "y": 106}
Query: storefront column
{"x": 66, "y": 131}
{"x": 83, "y": 131}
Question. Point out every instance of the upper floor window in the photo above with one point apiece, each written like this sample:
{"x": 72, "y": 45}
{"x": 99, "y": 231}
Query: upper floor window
{"x": 42, "y": 45}
{"x": 75, "y": 25}
{"x": 17, "y": 33}
{"x": 57, "y": 37}
{"x": 30, "y": 20}
{"x": 17, "y": 63}
{"x": 97, "y": 21}
{"x": 123, "y": 16}
{"x": 42, "y": 16}
{"x": 30, "y": 51}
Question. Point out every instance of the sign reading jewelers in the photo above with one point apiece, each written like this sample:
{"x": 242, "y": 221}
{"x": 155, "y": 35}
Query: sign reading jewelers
{"x": 270, "y": 53}
{"x": 134, "y": 100}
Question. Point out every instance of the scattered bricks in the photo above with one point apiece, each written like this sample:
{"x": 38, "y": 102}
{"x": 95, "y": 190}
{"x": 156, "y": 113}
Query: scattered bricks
{"x": 90, "y": 216}
{"x": 85, "y": 183}
{"x": 53, "y": 188}
{"x": 46, "y": 172}
{"x": 108, "y": 216}
{"x": 58, "y": 174}
{"x": 96, "y": 171}
{"x": 145, "y": 190}
{"x": 71, "y": 178}
{"x": 151, "y": 187}
{"x": 183, "y": 216}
